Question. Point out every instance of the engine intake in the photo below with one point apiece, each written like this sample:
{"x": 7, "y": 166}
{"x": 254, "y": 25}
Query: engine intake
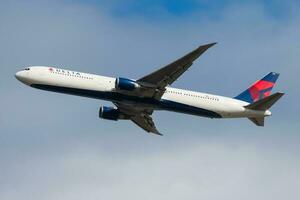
{"x": 109, "y": 113}
{"x": 126, "y": 84}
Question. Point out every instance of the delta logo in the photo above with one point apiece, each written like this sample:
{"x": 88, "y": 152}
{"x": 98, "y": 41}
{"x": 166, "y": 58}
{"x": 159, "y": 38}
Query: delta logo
{"x": 51, "y": 69}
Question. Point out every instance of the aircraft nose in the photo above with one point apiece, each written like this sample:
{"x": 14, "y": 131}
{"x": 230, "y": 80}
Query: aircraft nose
{"x": 19, "y": 75}
{"x": 22, "y": 76}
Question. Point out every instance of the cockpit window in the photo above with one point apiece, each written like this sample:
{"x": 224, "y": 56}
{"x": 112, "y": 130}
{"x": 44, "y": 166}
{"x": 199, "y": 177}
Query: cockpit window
{"x": 27, "y": 69}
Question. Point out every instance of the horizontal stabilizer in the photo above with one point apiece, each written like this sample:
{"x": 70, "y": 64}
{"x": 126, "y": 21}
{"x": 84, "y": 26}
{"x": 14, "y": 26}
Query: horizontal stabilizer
{"x": 259, "y": 121}
{"x": 265, "y": 103}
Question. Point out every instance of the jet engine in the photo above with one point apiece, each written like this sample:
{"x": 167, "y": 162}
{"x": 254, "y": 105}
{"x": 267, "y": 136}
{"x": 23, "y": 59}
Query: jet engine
{"x": 109, "y": 113}
{"x": 126, "y": 84}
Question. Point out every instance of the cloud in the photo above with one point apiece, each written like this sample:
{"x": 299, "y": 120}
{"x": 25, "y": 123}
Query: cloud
{"x": 206, "y": 169}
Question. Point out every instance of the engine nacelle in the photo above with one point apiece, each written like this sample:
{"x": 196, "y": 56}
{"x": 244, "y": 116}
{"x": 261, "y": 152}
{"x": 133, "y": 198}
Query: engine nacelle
{"x": 126, "y": 84}
{"x": 109, "y": 113}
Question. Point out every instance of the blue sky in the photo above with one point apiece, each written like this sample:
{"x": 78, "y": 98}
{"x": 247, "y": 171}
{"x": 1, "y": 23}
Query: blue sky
{"x": 153, "y": 9}
{"x": 53, "y": 146}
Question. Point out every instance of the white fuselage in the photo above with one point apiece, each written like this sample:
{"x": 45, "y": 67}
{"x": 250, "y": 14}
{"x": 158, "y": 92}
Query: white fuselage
{"x": 102, "y": 87}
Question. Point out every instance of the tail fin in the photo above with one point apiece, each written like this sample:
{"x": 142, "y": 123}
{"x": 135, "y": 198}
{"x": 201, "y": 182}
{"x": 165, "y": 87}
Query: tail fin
{"x": 260, "y": 89}
{"x": 263, "y": 105}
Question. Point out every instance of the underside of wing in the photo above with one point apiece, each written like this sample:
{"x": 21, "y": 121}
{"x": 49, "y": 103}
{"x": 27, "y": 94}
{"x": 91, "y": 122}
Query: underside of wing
{"x": 141, "y": 116}
{"x": 145, "y": 122}
{"x": 168, "y": 74}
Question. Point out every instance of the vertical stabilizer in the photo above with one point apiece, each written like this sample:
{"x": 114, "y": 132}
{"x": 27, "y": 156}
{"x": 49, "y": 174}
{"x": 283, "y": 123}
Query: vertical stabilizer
{"x": 260, "y": 89}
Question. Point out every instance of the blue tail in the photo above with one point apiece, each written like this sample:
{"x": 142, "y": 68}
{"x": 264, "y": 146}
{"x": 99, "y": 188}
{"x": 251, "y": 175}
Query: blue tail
{"x": 260, "y": 89}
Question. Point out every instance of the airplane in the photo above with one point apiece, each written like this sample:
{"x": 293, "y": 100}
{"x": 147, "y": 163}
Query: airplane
{"x": 136, "y": 100}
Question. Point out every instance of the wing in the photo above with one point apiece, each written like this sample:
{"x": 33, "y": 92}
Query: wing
{"x": 153, "y": 85}
{"x": 145, "y": 122}
{"x": 141, "y": 116}
{"x": 168, "y": 74}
